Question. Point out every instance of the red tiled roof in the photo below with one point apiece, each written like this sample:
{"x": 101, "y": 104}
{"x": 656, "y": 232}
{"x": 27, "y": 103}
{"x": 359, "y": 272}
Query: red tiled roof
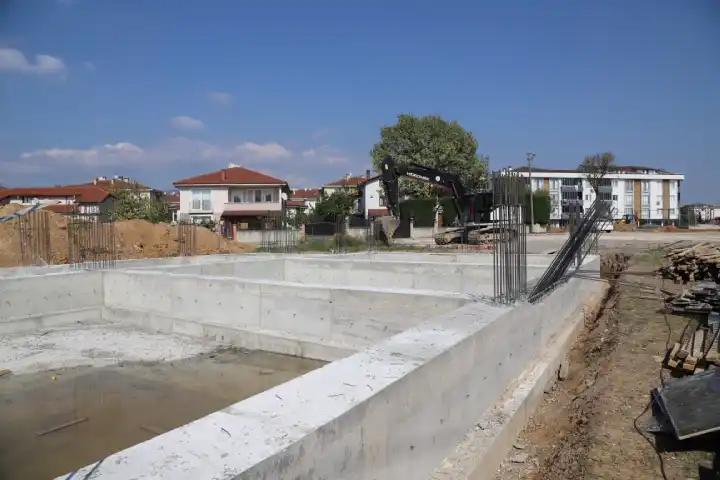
{"x": 347, "y": 181}
{"x": 306, "y": 193}
{"x": 171, "y": 199}
{"x": 375, "y": 212}
{"x": 80, "y": 193}
{"x": 296, "y": 204}
{"x": 232, "y": 176}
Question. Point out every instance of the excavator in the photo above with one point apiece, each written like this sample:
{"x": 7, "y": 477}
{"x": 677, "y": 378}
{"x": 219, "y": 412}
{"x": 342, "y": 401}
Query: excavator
{"x": 470, "y": 230}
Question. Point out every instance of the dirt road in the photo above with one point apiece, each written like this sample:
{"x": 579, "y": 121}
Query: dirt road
{"x": 590, "y": 426}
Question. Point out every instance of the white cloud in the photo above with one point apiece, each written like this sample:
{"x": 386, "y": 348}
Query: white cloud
{"x": 269, "y": 151}
{"x": 13, "y": 60}
{"x": 309, "y": 153}
{"x": 221, "y": 98}
{"x": 108, "y": 154}
{"x": 186, "y": 123}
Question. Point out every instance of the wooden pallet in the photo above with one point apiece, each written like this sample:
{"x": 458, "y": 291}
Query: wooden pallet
{"x": 689, "y": 356}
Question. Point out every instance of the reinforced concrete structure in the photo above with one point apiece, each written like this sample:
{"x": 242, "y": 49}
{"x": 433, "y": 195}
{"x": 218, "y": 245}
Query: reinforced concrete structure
{"x": 418, "y": 356}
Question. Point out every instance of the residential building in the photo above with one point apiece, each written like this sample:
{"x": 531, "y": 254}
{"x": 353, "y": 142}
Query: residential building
{"x": 308, "y": 197}
{"x": 350, "y": 184}
{"x": 652, "y": 194}
{"x": 172, "y": 200}
{"x": 236, "y": 197}
{"x": 73, "y": 199}
{"x": 120, "y": 182}
{"x": 373, "y": 203}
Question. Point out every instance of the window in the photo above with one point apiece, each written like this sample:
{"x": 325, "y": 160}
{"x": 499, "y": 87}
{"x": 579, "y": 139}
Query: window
{"x": 629, "y": 200}
{"x": 555, "y": 184}
{"x": 672, "y": 211}
{"x": 201, "y": 200}
{"x": 615, "y": 198}
{"x": 614, "y": 184}
{"x": 645, "y": 186}
{"x": 628, "y": 211}
{"x": 646, "y": 200}
{"x": 554, "y": 199}
{"x": 381, "y": 200}
{"x": 254, "y": 196}
{"x": 645, "y": 213}
{"x": 628, "y": 186}
{"x": 587, "y": 196}
{"x": 672, "y": 199}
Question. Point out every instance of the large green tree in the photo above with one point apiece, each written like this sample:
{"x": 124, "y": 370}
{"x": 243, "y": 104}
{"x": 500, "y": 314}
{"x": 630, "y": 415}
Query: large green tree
{"x": 129, "y": 204}
{"x": 328, "y": 208}
{"x": 432, "y": 141}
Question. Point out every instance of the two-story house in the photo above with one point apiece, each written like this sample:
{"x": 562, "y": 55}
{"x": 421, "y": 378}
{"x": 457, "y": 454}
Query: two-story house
{"x": 373, "y": 202}
{"x": 307, "y": 196}
{"x": 651, "y": 194}
{"x": 350, "y": 184}
{"x": 74, "y": 199}
{"x": 236, "y": 197}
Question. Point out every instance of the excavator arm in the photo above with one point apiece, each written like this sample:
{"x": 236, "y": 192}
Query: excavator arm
{"x": 390, "y": 175}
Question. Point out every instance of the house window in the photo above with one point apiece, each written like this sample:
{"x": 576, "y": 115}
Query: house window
{"x": 614, "y": 184}
{"x": 628, "y": 186}
{"x": 628, "y": 210}
{"x": 615, "y": 198}
{"x": 645, "y": 186}
{"x": 258, "y": 195}
{"x": 646, "y": 200}
{"x": 645, "y": 213}
{"x": 201, "y": 200}
{"x": 555, "y": 184}
{"x": 381, "y": 200}
{"x": 629, "y": 199}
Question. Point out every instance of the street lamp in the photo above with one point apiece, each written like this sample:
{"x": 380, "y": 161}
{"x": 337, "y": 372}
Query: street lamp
{"x": 530, "y": 156}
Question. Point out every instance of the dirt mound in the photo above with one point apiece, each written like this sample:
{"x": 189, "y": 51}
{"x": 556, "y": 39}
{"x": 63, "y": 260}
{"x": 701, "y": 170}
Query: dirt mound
{"x": 8, "y": 209}
{"x": 624, "y": 227}
{"x": 134, "y": 239}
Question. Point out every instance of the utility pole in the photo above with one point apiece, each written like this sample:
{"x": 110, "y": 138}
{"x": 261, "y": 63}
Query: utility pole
{"x": 530, "y": 156}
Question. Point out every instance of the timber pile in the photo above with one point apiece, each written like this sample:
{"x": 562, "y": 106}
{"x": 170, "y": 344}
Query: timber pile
{"x": 699, "y": 262}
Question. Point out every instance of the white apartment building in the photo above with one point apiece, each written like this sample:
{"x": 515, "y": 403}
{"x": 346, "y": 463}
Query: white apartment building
{"x": 238, "y": 198}
{"x": 651, "y": 194}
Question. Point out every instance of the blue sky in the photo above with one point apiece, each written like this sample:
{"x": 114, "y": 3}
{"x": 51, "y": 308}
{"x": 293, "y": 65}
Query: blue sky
{"x": 165, "y": 89}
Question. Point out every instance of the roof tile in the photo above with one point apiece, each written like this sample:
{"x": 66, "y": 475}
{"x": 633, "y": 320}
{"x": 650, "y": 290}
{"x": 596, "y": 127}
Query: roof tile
{"x": 231, "y": 176}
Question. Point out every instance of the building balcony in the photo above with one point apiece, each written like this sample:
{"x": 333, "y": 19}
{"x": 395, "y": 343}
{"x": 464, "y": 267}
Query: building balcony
{"x": 571, "y": 188}
{"x": 237, "y": 207}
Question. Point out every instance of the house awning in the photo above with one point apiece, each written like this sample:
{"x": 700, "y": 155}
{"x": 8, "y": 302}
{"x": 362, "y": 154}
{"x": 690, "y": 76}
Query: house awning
{"x": 377, "y": 212}
{"x": 252, "y": 213}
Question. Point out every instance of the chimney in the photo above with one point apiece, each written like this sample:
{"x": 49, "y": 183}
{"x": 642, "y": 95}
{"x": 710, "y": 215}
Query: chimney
{"x": 367, "y": 174}
{"x": 224, "y": 175}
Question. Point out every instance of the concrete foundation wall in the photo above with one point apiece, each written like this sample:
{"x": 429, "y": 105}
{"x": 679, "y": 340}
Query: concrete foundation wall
{"x": 336, "y": 316}
{"x": 393, "y": 411}
{"x": 36, "y": 302}
{"x": 435, "y": 276}
{"x": 471, "y": 258}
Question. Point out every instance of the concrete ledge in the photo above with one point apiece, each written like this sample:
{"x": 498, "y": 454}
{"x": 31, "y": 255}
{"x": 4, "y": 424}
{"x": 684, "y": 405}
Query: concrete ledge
{"x": 483, "y": 449}
{"x": 393, "y": 411}
{"x": 246, "y": 337}
{"x": 13, "y": 325}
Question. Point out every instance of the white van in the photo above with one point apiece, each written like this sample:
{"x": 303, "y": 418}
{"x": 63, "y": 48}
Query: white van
{"x": 605, "y": 226}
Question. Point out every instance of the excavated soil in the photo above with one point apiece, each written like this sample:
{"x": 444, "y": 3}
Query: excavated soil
{"x": 591, "y": 424}
{"x": 134, "y": 239}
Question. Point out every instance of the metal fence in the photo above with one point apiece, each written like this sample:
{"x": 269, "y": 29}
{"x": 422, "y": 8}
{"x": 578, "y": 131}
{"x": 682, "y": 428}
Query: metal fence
{"x": 186, "y": 238}
{"x": 34, "y": 234}
{"x": 279, "y": 235}
{"x": 91, "y": 242}
{"x": 509, "y": 236}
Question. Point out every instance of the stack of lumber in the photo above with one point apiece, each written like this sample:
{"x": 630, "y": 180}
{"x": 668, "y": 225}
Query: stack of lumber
{"x": 696, "y": 351}
{"x": 690, "y": 264}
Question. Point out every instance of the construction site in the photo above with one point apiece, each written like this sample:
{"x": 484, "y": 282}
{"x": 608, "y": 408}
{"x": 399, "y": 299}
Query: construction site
{"x": 158, "y": 352}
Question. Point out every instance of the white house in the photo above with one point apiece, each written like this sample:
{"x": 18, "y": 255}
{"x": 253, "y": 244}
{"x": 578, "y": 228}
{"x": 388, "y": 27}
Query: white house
{"x": 650, "y": 193}
{"x": 373, "y": 202}
{"x": 307, "y": 196}
{"x": 236, "y": 197}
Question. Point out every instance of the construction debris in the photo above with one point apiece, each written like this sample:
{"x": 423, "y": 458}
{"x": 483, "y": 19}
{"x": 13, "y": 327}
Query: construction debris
{"x": 690, "y": 264}
{"x": 698, "y": 348}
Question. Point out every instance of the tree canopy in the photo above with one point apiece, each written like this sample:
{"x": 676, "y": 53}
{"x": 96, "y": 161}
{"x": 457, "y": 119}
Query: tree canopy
{"x": 595, "y": 167}
{"x": 128, "y": 204}
{"x": 340, "y": 203}
{"x": 434, "y": 142}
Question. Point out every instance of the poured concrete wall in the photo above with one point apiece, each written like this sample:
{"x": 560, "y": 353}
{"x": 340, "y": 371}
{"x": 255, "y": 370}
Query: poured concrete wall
{"x": 393, "y": 411}
{"x": 36, "y": 302}
{"x": 435, "y": 276}
{"x": 261, "y": 311}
